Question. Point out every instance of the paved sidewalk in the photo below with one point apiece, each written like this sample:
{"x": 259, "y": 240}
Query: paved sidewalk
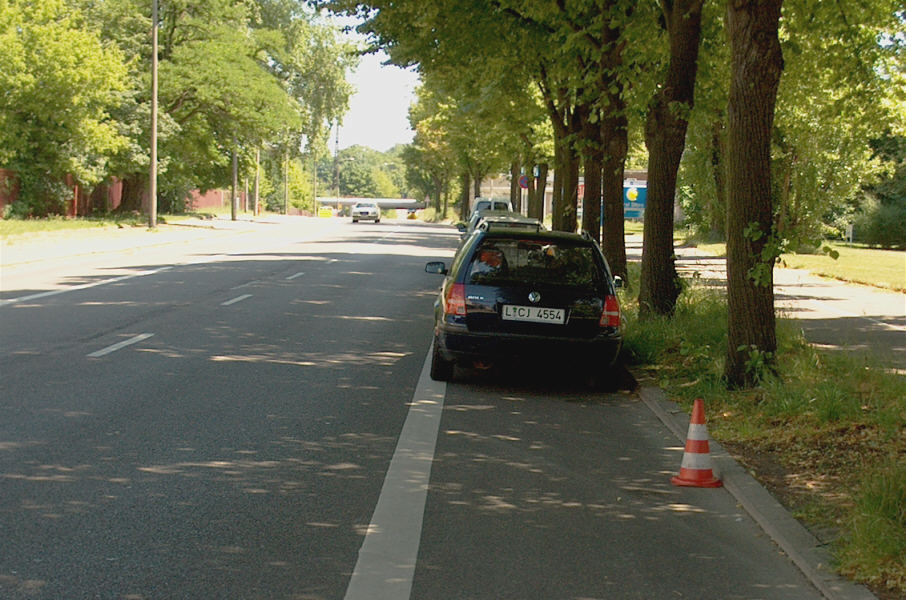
{"x": 832, "y": 314}
{"x": 30, "y": 248}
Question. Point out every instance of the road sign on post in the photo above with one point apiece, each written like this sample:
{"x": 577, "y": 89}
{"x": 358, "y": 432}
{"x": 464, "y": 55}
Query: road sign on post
{"x": 635, "y": 196}
{"x": 523, "y": 182}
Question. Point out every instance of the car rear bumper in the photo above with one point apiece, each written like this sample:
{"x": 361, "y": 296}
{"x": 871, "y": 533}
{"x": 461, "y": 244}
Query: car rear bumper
{"x": 465, "y": 347}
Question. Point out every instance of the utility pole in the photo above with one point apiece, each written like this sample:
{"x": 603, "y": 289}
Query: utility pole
{"x": 286, "y": 182}
{"x": 234, "y": 201}
{"x": 336, "y": 162}
{"x": 257, "y": 179}
{"x": 152, "y": 192}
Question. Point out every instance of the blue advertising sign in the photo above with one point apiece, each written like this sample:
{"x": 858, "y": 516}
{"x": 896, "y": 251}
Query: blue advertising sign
{"x": 634, "y": 198}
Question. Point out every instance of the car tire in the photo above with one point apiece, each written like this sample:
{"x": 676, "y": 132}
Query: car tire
{"x": 441, "y": 368}
{"x": 377, "y": 220}
{"x": 355, "y": 220}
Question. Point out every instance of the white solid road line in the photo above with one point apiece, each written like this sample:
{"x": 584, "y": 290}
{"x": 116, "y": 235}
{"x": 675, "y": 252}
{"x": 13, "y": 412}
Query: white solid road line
{"x": 84, "y": 286}
{"x": 291, "y": 277}
{"x": 386, "y": 564}
{"x": 236, "y": 299}
{"x": 120, "y": 345}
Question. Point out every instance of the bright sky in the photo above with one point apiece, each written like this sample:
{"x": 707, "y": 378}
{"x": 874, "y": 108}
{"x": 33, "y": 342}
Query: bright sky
{"x": 379, "y": 109}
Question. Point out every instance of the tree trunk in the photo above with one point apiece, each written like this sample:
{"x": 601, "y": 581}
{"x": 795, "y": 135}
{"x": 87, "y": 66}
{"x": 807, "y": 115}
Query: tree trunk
{"x": 438, "y": 191}
{"x": 557, "y": 187}
{"x": 591, "y": 201}
{"x": 515, "y": 190}
{"x": 757, "y": 64}
{"x": 134, "y": 187}
{"x": 537, "y": 193}
{"x": 717, "y": 213}
{"x": 566, "y": 187}
{"x": 465, "y": 201}
{"x": 615, "y": 138}
{"x": 615, "y": 131}
{"x": 665, "y": 137}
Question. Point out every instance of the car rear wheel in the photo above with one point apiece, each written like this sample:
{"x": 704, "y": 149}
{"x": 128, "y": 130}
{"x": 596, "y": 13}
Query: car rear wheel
{"x": 441, "y": 368}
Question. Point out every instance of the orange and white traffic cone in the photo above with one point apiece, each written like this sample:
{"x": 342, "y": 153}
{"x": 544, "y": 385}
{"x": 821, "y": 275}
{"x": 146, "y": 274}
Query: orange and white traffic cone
{"x": 696, "y": 468}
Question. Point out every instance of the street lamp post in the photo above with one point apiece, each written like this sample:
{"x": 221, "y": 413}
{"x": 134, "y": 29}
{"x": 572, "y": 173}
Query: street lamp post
{"x": 152, "y": 192}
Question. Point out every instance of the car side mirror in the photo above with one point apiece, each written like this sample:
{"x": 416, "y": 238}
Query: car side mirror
{"x": 617, "y": 282}
{"x": 438, "y": 268}
{"x": 461, "y": 227}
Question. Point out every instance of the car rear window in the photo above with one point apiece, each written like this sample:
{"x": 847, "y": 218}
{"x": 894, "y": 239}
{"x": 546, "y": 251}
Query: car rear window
{"x": 526, "y": 261}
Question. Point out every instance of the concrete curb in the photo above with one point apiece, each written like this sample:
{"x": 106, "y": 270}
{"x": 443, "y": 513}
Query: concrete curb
{"x": 806, "y": 552}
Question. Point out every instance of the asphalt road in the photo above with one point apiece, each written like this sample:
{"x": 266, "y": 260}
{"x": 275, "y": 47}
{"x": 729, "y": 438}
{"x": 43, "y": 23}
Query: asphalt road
{"x": 245, "y": 413}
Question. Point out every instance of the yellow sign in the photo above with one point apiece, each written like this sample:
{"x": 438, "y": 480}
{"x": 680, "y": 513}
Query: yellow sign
{"x": 325, "y": 211}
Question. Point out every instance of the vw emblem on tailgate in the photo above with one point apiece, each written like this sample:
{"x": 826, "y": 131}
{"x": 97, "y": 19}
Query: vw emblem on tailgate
{"x": 534, "y": 297}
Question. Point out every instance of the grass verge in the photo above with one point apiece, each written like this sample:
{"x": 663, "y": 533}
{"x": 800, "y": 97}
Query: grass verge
{"x": 867, "y": 266}
{"x": 826, "y": 433}
{"x": 885, "y": 268}
{"x": 14, "y": 227}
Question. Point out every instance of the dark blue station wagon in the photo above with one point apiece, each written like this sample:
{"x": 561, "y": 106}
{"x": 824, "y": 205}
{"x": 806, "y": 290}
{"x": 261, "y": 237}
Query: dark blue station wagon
{"x": 530, "y": 298}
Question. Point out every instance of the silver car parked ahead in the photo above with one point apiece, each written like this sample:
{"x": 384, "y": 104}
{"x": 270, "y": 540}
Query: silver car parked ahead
{"x": 366, "y": 211}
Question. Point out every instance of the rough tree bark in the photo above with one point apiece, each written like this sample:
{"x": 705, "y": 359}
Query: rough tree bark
{"x": 537, "y": 188}
{"x": 465, "y": 197}
{"x": 515, "y": 190}
{"x": 665, "y": 136}
{"x": 757, "y": 64}
{"x": 616, "y": 135}
{"x": 591, "y": 202}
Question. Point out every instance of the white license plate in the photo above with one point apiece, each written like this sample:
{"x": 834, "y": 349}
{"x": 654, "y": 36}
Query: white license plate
{"x": 534, "y": 314}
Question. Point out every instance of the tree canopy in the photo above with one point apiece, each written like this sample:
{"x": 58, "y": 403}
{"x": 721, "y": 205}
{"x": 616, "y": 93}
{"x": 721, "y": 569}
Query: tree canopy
{"x": 260, "y": 75}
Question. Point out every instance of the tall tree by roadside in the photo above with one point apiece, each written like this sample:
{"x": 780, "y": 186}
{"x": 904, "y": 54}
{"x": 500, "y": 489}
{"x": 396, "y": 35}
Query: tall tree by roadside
{"x": 59, "y": 83}
{"x": 665, "y": 136}
{"x": 757, "y": 64}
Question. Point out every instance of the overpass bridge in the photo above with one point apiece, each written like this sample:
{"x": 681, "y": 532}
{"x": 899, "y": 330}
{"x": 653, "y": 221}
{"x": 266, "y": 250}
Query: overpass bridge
{"x": 389, "y": 203}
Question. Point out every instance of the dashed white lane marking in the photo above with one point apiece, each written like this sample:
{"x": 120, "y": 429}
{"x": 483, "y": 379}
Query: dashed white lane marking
{"x": 84, "y": 286}
{"x": 236, "y": 299}
{"x": 386, "y": 563}
{"x": 120, "y": 345}
{"x": 291, "y": 277}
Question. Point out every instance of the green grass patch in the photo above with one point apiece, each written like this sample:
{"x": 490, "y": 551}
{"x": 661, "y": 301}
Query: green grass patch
{"x": 833, "y": 423}
{"x": 14, "y": 227}
{"x": 867, "y": 266}
{"x": 882, "y": 268}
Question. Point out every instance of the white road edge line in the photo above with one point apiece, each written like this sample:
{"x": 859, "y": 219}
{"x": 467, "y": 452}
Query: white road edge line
{"x": 84, "y": 286}
{"x": 386, "y": 563}
{"x": 236, "y": 299}
{"x": 120, "y": 345}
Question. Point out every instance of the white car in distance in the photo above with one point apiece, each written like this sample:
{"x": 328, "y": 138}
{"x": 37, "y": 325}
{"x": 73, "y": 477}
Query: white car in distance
{"x": 366, "y": 211}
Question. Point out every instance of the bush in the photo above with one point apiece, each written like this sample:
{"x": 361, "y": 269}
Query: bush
{"x": 39, "y": 197}
{"x": 882, "y": 225}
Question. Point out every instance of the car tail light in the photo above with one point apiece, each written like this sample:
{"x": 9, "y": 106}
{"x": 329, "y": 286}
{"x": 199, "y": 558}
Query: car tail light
{"x": 611, "y": 315}
{"x": 455, "y": 302}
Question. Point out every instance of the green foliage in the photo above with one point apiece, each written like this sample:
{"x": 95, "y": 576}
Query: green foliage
{"x": 60, "y": 81}
{"x": 876, "y": 552}
{"x": 842, "y": 87}
{"x": 233, "y": 76}
{"x": 364, "y": 173}
{"x": 882, "y": 225}
{"x": 880, "y": 220}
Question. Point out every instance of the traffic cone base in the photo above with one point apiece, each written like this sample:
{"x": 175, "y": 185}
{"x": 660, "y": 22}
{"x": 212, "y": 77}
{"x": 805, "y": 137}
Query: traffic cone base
{"x": 695, "y": 470}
